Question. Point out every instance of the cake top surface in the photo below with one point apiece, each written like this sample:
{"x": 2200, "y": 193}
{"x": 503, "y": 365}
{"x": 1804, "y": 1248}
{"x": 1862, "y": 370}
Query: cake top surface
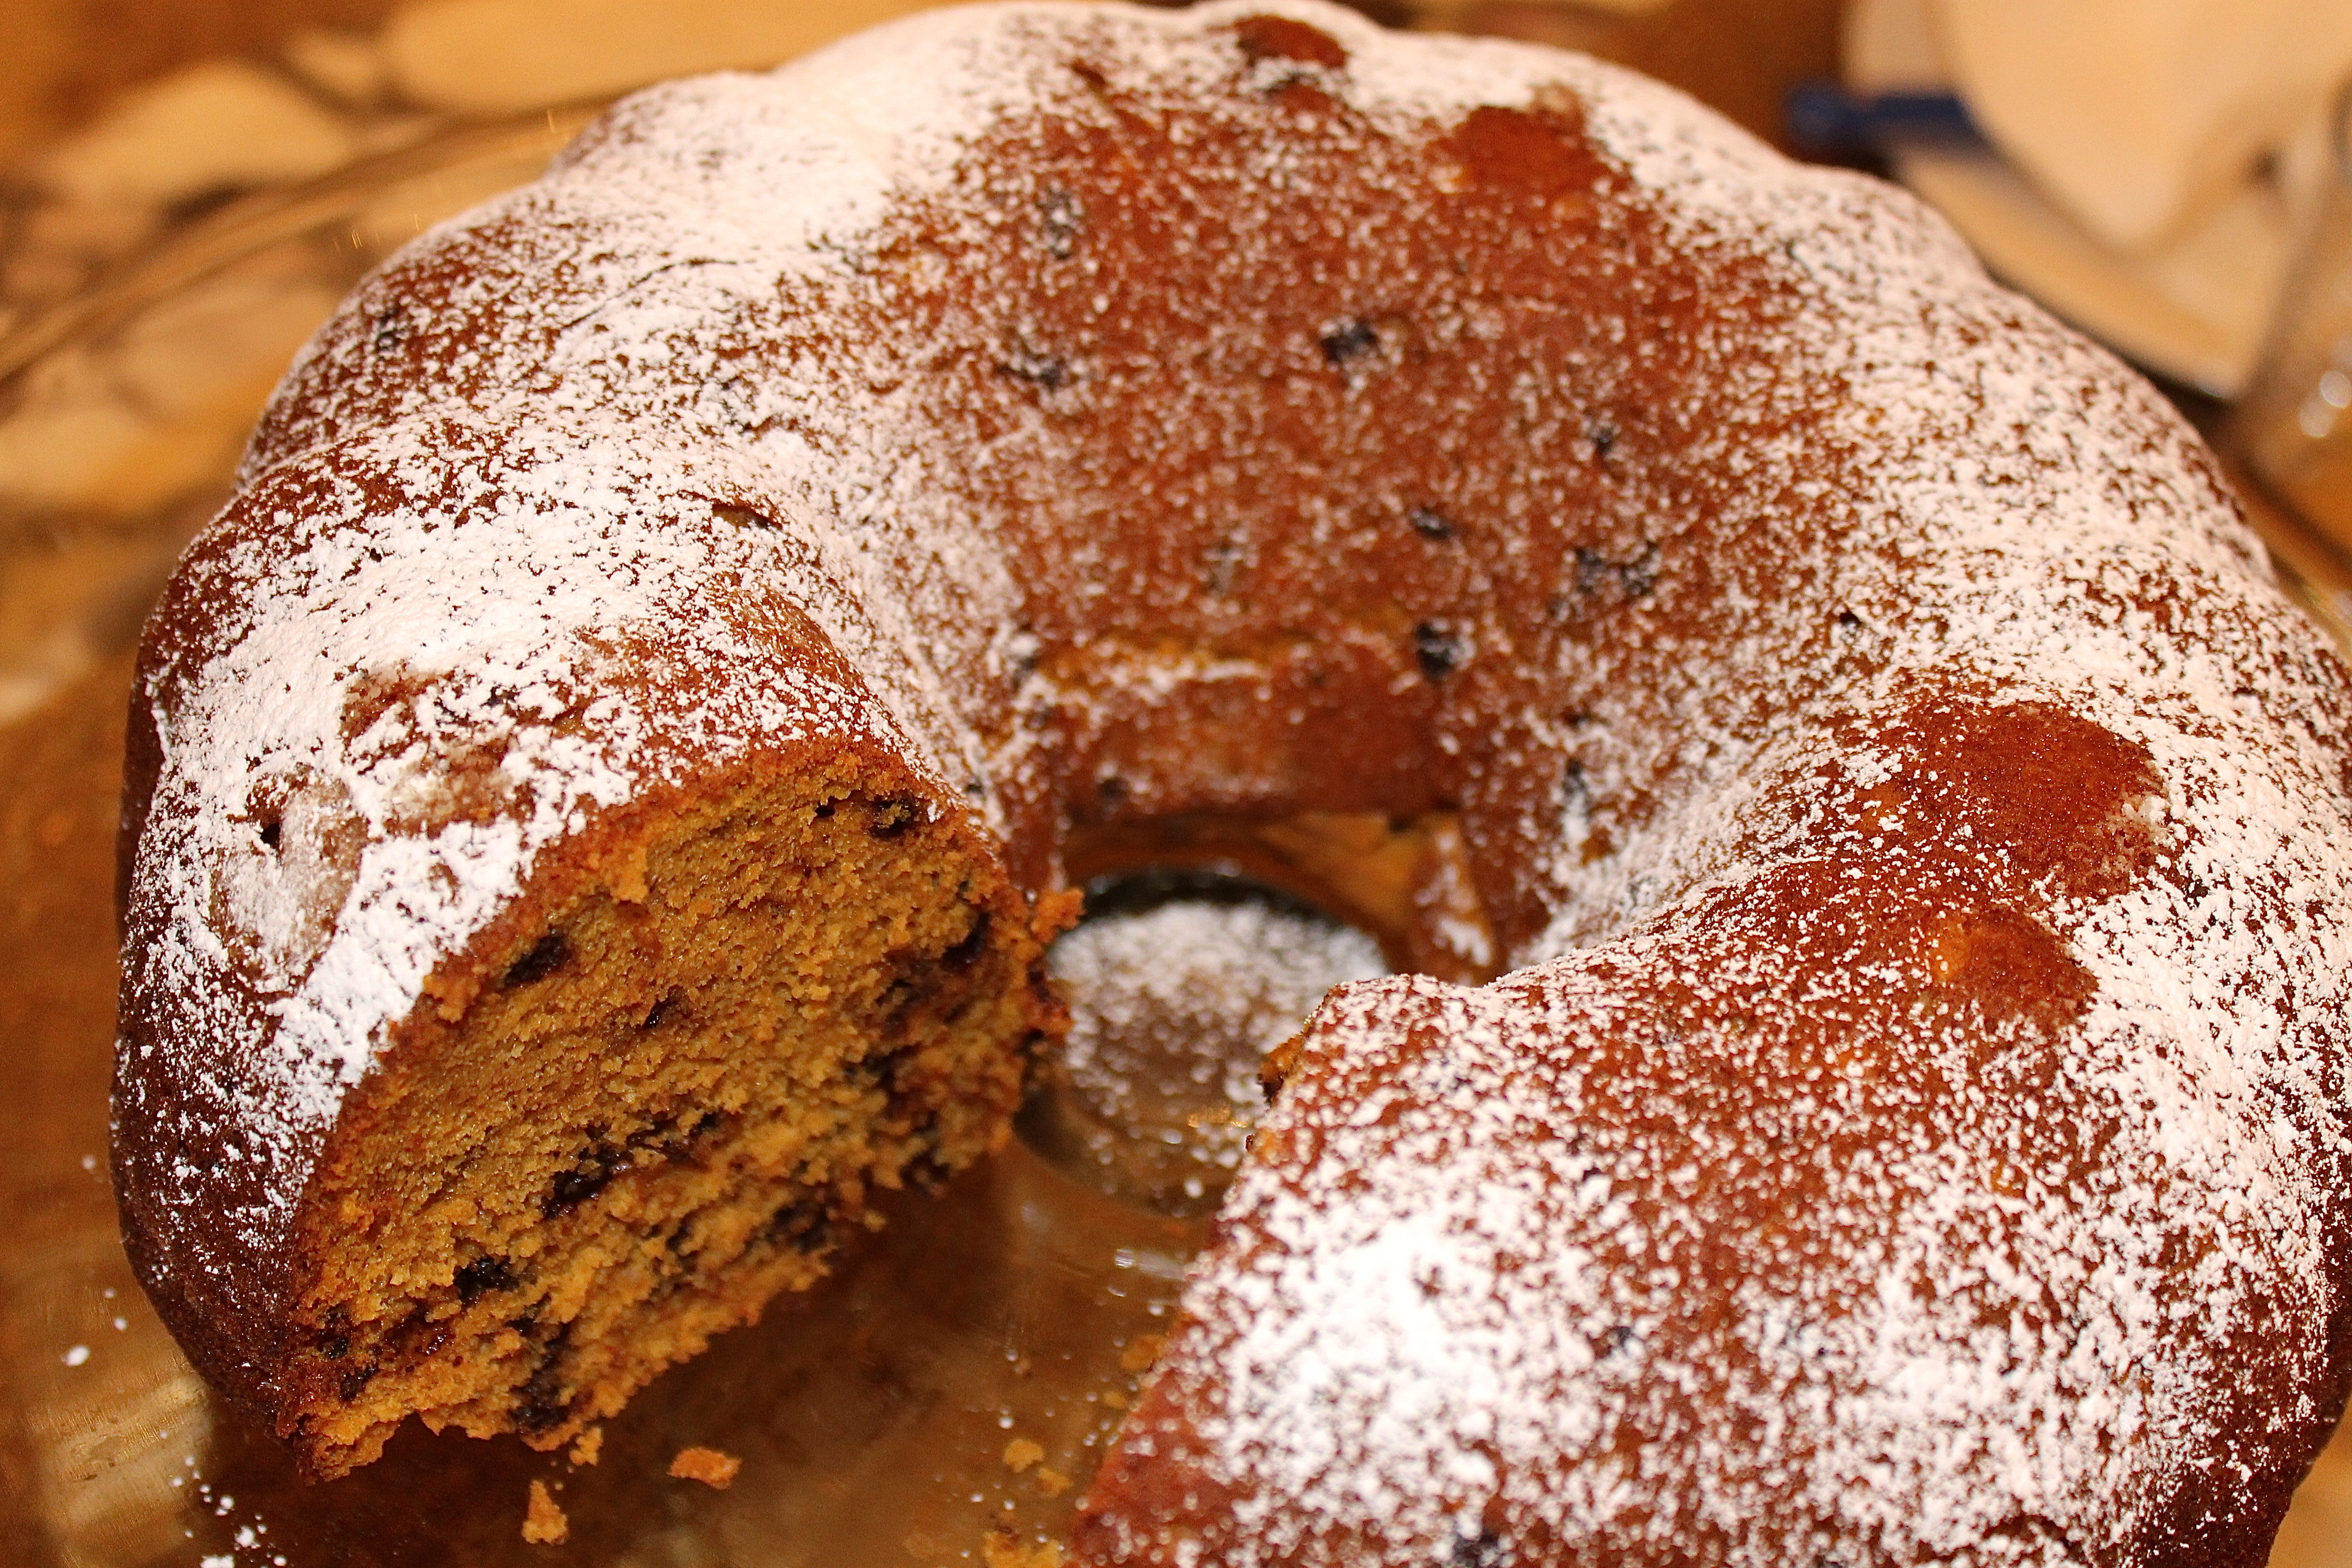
{"x": 664, "y": 223}
{"x": 649, "y": 240}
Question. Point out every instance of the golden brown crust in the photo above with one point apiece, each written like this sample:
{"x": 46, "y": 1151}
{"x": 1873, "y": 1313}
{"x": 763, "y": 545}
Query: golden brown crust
{"x": 1857, "y": 709}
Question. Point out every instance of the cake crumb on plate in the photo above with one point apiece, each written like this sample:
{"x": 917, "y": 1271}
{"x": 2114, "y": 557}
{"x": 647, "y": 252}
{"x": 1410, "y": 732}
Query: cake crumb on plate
{"x": 1000, "y": 1549}
{"x": 544, "y": 1523}
{"x": 708, "y": 1465}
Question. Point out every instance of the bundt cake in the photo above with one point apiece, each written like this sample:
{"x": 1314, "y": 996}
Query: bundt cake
{"x": 601, "y": 793}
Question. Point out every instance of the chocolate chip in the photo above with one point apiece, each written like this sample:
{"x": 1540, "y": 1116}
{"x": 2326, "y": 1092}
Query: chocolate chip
{"x": 743, "y": 516}
{"x": 1636, "y": 579}
{"x": 547, "y": 955}
{"x": 1219, "y": 565}
{"x": 592, "y": 1169}
{"x": 1639, "y": 576}
{"x": 1592, "y": 568}
{"x": 1575, "y": 789}
{"x": 1351, "y": 339}
{"x": 803, "y": 1225}
{"x": 571, "y": 1189}
{"x": 1060, "y": 215}
{"x": 481, "y": 1277}
{"x": 1484, "y": 1550}
{"x": 666, "y": 1138}
{"x": 354, "y": 1380}
{"x": 881, "y": 1069}
{"x": 541, "y": 1402}
{"x": 893, "y": 815}
{"x": 1438, "y": 649}
{"x": 1428, "y": 523}
{"x": 1048, "y": 372}
{"x": 899, "y": 995}
{"x": 668, "y": 1007}
{"x": 535, "y": 1412}
{"x": 966, "y": 949}
{"x": 926, "y": 1173}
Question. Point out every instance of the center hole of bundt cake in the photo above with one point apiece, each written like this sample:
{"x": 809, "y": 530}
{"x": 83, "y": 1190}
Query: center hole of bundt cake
{"x": 1179, "y": 982}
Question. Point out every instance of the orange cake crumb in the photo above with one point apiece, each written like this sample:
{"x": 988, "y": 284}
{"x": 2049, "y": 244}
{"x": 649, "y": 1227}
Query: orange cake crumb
{"x": 587, "y": 1447}
{"x": 544, "y": 1523}
{"x": 1021, "y": 1453}
{"x": 999, "y": 1549}
{"x": 709, "y": 1466}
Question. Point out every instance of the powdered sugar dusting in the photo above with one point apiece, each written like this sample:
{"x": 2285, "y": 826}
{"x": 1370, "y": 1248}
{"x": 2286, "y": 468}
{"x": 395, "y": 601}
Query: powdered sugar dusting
{"x": 1174, "y": 1008}
{"x": 1841, "y": 1169}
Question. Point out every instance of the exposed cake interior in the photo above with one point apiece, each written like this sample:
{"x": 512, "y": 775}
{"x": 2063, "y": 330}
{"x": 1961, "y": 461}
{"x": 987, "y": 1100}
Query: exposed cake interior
{"x": 659, "y": 1107}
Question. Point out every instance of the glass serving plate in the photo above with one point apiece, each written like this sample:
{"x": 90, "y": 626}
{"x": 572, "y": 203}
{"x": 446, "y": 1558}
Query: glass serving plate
{"x": 943, "y": 1398}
